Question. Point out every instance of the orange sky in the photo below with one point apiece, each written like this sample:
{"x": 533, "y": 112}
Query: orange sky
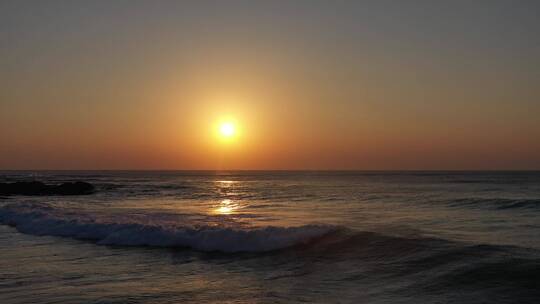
{"x": 361, "y": 86}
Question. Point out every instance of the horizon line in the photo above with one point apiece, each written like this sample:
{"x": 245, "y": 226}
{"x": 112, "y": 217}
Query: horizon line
{"x": 281, "y": 170}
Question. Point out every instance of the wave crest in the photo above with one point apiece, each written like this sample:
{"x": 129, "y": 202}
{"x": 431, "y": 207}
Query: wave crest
{"x": 132, "y": 231}
{"x": 497, "y": 203}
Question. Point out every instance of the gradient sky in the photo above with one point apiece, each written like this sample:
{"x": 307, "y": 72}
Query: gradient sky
{"x": 311, "y": 84}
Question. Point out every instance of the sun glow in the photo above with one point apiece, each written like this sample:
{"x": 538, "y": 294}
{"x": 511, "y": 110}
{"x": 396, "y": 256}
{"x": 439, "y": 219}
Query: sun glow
{"x": 227, "y": 129}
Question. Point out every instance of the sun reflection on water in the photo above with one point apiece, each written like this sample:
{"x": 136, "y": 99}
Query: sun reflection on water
{"x": 226, "y": 207}
{"x": 225, "y": 182}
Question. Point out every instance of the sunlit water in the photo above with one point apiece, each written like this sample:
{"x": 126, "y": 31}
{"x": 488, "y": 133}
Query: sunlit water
{"x": 274, "y": 237}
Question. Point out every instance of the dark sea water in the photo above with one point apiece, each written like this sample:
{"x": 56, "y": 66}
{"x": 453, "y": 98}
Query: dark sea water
{"x": 274, "y": 237}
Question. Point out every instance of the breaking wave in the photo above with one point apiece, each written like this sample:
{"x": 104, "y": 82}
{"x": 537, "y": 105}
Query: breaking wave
{"x": 159, "y": 230}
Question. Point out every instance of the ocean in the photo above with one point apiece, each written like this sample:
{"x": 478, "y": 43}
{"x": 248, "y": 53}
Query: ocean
{"x": 274, "y": 237}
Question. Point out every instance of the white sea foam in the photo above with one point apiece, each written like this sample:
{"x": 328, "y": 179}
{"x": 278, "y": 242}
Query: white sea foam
{"x": 158, "y": 230}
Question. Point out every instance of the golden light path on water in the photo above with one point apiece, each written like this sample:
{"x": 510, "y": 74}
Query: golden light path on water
{"x": 236, "y": 208}
{"x": 226, "y": 206}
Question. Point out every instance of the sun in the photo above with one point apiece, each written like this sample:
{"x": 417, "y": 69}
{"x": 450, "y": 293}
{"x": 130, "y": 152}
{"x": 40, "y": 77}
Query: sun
{"x": 227, "y": 129}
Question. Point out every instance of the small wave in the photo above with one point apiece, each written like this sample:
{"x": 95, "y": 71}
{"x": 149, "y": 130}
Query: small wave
{"x": 497, "y": 203}
{"x": 505, "y": 276}
{"x": 157, "y": 231}
{"x": 432, "y": 264}
{"x": 520, "y": 271}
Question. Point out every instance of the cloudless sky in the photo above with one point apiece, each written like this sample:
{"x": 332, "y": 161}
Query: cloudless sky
{"x": 310, "y": 84}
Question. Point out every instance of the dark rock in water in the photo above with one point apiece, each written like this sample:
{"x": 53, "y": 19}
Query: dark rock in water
{"x": 39, "y": 188}
{"x": 74, "y": 188}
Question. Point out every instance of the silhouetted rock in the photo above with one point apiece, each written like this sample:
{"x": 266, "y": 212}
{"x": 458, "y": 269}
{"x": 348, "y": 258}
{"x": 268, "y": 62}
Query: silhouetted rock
{"x": 39, "y": 188}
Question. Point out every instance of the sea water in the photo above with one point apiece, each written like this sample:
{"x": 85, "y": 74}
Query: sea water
{"x": 274, "y": 237}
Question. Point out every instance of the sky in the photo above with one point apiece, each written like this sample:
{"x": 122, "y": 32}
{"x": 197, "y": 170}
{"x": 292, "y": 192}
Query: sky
{"x": 316, "y": 85}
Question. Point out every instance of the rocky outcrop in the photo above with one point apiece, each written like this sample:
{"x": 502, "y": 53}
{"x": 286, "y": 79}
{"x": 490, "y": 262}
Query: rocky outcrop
{"x": 39, "y": 188}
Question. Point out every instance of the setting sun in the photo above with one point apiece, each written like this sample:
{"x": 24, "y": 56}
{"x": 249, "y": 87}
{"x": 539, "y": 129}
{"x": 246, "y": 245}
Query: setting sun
{"x": 227, "y": 129}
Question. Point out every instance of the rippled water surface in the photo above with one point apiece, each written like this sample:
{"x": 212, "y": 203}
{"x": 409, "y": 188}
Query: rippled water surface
{"x": 274, "y": 237}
